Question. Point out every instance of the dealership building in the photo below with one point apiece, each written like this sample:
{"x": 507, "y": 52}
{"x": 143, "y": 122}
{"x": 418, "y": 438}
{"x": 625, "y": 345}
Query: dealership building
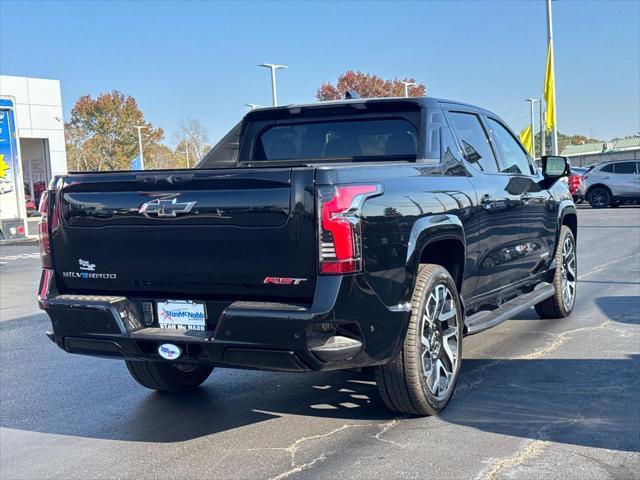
{"x": 32, "y": 149}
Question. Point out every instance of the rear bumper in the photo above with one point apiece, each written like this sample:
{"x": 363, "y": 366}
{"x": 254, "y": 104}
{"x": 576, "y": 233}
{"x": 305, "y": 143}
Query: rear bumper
{"x": 255, "y": 335}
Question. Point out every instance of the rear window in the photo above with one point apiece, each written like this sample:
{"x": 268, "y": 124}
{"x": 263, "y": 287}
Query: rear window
{"x": 368, "y": 139}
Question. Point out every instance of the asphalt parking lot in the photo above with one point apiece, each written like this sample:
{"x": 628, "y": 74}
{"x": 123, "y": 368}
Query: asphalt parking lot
{"x": 536, "y": 399}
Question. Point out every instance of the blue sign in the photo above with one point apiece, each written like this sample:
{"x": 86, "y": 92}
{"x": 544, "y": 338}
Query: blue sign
{"x": 9, "y": 166}
{"x": 136, "y": 164}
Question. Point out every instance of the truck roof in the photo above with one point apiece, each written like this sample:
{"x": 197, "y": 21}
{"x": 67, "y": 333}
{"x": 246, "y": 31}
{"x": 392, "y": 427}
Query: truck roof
{"x": 422, "y": 101}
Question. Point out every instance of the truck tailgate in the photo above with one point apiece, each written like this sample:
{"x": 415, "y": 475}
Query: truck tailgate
{"x": 215, "y": 234}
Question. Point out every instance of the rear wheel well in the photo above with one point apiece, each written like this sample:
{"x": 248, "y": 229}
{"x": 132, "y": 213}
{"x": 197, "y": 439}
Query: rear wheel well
{"x": 571, "y": 221}
{"x": 597, "y": 185}
{"x": 448, "y": 253}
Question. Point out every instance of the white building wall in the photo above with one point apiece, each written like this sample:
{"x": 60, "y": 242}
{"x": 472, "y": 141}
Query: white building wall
{"x": 39, "y": 114}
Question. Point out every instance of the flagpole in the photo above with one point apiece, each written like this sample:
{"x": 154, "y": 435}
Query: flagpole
{"x": 554, "y": 131}
{"x": 532, "y": 102}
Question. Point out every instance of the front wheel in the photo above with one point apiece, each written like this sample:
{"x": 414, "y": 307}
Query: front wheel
{"x": 565, "y": 279}
{"x": 422, "y": 377}
{"x": 168, "y": 377}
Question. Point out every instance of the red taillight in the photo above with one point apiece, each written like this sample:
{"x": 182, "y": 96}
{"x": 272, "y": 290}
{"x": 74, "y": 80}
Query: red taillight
{"x": 45, "y": 246}
{"x": 340, "y": 235}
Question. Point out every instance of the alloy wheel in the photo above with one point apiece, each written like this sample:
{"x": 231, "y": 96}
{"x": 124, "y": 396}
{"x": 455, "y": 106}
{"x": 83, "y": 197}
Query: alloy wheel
{"x": 599, "y": 198}
{"x": 568, "y": 273}
{"x": 440, "y": 341}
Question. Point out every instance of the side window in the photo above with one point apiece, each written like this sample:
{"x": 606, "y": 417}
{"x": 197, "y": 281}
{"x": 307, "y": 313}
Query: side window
{"x": 474, "y": 140}
{"x": 450, "y": 157}
{"x": 607, "y": 168}
{"x": 225, "y": 152}
{"x": 516, "y": 160}
{"x": 628, "y": 168}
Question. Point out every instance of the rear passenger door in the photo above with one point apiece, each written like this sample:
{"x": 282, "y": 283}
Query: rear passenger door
{"x": 539, "y": 209}
{"x": 497, "y": 208}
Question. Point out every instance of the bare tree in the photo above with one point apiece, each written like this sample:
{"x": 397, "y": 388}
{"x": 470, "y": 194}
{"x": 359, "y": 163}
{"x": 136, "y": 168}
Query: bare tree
{"x": 192, "y": 141}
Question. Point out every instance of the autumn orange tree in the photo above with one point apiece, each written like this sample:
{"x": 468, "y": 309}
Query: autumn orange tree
{"x": 100, "y": 134}
{"x": 368, "y": 86}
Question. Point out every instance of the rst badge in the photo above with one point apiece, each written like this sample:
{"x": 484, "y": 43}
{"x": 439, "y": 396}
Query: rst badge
{"x": 166, "y": 207}
{"x": 284, "y": 280}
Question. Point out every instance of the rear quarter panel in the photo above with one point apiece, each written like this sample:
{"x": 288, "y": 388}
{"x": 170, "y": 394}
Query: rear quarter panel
{"x": 417, "y": 197}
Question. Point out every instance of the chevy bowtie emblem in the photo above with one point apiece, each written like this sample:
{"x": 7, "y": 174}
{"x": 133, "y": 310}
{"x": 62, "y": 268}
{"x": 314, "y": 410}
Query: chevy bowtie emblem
{"x": 166, "y": 207}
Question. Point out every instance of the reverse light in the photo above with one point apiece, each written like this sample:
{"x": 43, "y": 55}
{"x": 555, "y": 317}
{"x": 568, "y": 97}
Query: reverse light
{"x": 43, "y": 229}
{"x": 340, "y": 229}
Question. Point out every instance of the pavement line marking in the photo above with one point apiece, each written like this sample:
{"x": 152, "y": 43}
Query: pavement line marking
{"x": 599, "y": 268}
{"x": 20, "y": 256}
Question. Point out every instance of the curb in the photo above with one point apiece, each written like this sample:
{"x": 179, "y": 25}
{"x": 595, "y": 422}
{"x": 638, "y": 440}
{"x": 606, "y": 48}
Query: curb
{"x": 18, "y": 241}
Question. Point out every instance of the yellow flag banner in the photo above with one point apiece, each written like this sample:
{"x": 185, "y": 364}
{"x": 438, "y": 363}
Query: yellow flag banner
{"x": 549, "y": 95}
{"x": 527, "y": 139}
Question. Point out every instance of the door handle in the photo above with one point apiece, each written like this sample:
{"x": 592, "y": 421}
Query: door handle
{"x": 486, "y": 201}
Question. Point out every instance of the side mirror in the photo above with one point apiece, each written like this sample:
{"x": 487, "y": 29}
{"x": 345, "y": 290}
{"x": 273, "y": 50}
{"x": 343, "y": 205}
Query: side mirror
{"x": 554, "y": 167}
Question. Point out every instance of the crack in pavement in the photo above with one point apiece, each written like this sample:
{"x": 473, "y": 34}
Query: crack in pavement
{"x": 532, "y": 450}
{"x": 296, "y": 446}
{"x": 299, "y": 468}
{"x": 562, "y": 338}
{"x": 527, "y": 452}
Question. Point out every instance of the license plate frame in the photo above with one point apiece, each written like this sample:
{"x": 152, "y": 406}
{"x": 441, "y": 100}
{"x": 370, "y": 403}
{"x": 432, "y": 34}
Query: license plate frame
{"x": 183, "y": 315}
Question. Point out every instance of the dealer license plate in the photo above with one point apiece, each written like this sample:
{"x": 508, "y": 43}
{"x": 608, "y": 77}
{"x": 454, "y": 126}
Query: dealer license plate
{"x": 182, "y": 315}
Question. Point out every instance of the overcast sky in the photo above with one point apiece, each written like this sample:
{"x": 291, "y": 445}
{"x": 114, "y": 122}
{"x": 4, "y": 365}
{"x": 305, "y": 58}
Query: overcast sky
{"x": 198, "y": 59}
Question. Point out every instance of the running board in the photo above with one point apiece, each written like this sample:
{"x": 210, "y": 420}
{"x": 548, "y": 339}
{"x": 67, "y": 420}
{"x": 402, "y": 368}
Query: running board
{"x": 486, "y": 319}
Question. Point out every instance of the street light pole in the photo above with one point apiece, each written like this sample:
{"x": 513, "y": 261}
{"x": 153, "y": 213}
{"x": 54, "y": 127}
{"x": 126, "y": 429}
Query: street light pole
{"x": 543, "y": 138}
{"x": 406, "y": 87}
{"x": 274, "y": 91}
{"x": 532, "y": 102}
{"x": 139, "y": 128}
{"x": 554, "y": 131}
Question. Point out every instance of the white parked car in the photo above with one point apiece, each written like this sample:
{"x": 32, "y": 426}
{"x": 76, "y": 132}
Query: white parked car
{"x": 612, "y": 184}
{"x": 6, "y": 185}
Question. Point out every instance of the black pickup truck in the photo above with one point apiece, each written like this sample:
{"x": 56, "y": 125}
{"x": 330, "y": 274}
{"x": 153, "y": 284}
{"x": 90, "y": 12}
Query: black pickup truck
{"x": 359, "y": 233}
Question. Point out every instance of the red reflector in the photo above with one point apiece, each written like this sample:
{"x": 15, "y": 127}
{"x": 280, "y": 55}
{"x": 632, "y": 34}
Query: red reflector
{"x": 47, "y": 275}
{"x": 344, "y": 266}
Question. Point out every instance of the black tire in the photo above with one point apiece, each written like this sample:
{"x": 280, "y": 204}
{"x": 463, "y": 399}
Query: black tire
{"x": 403, "y": 383}
{"x": 599, "y": 197}
{"x": 615, "y": 204}
{"x": 557, "y": 306}
{"x": 166, "y": 377}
